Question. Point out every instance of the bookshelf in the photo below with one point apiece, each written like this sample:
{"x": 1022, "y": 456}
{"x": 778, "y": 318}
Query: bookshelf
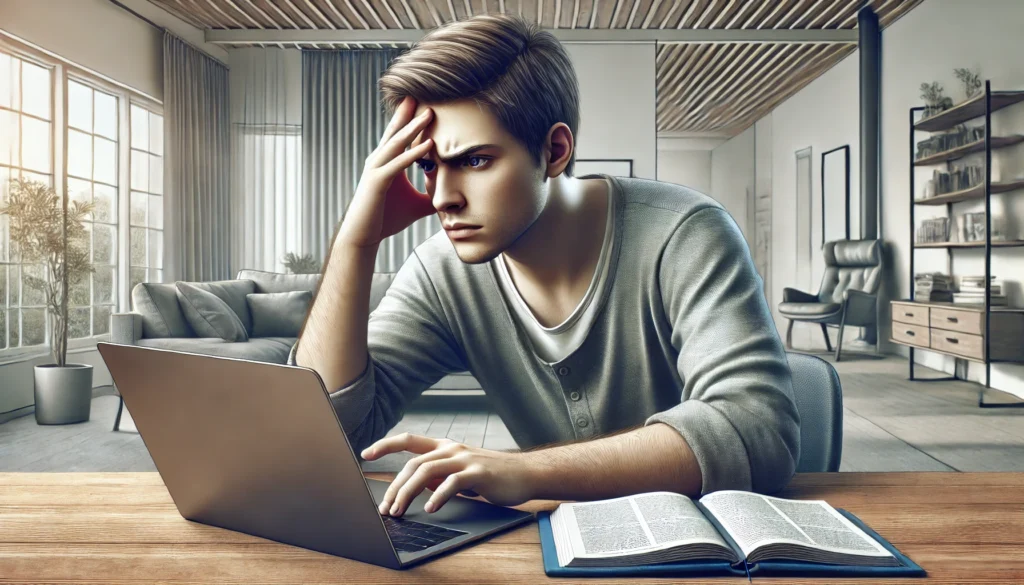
{"x": 965, "y": 332}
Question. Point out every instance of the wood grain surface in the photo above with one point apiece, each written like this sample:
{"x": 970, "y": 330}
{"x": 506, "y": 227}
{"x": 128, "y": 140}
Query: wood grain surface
{"x": 122, "y": 528}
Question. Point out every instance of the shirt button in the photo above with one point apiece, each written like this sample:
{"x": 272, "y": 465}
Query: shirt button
{"x": 575, "y": 396}
{"x": 563, "y": 371}
{"x": 582, "y": 422}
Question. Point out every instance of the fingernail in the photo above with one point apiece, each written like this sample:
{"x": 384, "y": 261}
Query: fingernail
{"x": 394, "y": 509}
{"x": 429, "y": 507}
{"x": 383, "y": 508}
{"x": 365, "y": 453}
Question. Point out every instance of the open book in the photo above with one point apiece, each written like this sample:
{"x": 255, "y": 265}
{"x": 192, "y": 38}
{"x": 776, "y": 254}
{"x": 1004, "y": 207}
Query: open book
{"x": 733, "y": 526}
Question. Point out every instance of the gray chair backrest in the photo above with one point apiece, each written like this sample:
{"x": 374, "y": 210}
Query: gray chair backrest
{"x": 850, "y": 264}
{"x": 819, "y": 400}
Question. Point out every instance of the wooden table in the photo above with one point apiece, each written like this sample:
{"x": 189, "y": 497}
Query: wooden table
{"x": 123, "y": 528}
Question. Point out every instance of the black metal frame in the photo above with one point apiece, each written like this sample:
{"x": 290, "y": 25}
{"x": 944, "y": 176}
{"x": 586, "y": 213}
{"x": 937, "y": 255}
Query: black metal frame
{"x": 845, "y": 147}
{"x": 949, "y": 256}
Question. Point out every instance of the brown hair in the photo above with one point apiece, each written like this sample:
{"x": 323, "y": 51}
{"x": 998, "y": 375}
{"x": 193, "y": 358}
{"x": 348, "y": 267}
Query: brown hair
{"x": 505, "y": 63}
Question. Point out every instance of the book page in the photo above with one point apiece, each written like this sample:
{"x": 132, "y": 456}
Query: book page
{"x": 631, "y": 525}
{"x": 754, "y": 520}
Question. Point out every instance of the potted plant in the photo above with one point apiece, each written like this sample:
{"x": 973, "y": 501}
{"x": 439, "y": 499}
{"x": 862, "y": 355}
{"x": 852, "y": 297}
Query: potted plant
{"x": 301, "y": 264}
{"x": 47, "y": 229}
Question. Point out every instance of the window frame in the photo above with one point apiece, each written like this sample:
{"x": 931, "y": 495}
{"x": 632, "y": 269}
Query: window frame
{"x": 63, "y": 71}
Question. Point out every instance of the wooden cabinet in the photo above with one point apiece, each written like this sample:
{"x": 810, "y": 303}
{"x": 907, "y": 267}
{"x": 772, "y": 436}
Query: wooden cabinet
{"x": 959, "y": 330}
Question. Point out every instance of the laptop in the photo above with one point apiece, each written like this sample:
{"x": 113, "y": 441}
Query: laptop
{"x": 257, "y": 448}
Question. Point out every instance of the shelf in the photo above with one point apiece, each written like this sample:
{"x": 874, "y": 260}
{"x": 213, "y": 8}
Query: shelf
{"x": 970, "y": 109}
{"x": 963, "y": 306}
{"x": 966, "y": 149}
{"x": 995, "y": 244}
{"x": 975, "y": 192}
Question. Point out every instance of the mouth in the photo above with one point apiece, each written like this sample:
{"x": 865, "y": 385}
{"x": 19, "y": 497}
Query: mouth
{"x": 462, "y": 232}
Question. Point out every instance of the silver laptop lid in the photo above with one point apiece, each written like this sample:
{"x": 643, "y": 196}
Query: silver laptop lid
{"x": 252, "y": 447}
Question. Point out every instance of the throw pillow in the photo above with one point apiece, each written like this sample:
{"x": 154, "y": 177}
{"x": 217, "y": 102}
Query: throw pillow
{"x": 208, "y": 314}
{"x": 278, "y": 314}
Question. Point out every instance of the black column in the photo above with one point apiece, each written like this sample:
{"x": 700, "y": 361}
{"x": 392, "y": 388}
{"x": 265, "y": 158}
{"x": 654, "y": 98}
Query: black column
{"x": 870, "y": 49}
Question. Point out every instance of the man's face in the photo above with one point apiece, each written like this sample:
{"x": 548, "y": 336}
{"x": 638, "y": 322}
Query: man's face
{"x": 498, "y": 188}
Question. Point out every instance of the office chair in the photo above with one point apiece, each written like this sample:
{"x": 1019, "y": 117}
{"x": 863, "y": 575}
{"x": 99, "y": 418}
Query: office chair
{"x": 819, "y": 400}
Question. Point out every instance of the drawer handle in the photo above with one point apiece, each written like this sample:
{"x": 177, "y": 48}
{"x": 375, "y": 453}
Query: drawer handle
{"x": 951, "y": 319}
{"x": 952, "y": 340}
{"x": 910, "y": 333}
{"x": 908, "y": 314}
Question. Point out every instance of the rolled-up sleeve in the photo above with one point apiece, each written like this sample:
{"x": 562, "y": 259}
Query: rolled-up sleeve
{"x": 410, "y": 347}
{"x": 737, "y": 410}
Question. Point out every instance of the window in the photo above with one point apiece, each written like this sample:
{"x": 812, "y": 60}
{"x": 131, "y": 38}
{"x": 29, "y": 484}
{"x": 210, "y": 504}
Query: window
{"x": 26, "y": 131}
{"x": 113, "y": 140}
{"x": 92, "y": 176}
{"x": 268, "y": 195}
{"x": 147, "y": 201}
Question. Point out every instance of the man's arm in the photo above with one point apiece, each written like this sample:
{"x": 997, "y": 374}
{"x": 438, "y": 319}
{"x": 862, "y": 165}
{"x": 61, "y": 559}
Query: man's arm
{"x": 651, "y": 458}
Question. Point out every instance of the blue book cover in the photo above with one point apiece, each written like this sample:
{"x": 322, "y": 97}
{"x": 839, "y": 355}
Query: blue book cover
{"x": 712, "y": 568}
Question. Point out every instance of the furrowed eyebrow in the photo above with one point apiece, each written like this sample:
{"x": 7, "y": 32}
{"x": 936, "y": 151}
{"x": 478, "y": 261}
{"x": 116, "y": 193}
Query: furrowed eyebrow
{"x": 465, "y": 152}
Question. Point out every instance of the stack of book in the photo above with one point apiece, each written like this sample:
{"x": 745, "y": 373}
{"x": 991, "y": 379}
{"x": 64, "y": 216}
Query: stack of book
{"x": 933, "y": 286}
{"x": 972, "y": 291}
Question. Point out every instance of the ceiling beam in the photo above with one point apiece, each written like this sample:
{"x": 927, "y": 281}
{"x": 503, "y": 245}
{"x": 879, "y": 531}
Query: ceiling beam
{"x": 662, "y": 36}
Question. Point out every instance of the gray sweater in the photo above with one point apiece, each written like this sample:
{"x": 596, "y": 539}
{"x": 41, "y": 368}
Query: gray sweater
{"x": 684, "y": 336}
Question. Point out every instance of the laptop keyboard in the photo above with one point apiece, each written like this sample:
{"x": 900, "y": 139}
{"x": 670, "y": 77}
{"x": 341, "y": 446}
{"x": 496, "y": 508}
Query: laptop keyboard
{"x": 412, "y": 536}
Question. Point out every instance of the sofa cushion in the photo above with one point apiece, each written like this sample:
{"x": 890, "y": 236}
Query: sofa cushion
{"x": 157, "y": 304}
{"x": 278, "y": 314}
{"x": 275, "y": 282}
{"x": 260, "y": 349}
{"x": 209, "y": 315}
{"x": 233, "y": 293}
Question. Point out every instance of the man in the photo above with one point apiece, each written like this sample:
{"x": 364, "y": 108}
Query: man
{"x": 617, "y": 325}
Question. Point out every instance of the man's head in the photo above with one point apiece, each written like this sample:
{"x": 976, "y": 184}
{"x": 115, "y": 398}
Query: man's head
{"x": 498, "y": 80}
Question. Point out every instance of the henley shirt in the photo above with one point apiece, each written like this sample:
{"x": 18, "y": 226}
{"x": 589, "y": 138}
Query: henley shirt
{"x": 682, "y": 335}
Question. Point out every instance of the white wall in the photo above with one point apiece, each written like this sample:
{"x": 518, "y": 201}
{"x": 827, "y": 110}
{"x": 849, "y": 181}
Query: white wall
{"x": 732, "y": 177}
{"x": 691, "y": 168}
{"x": 924, "y": 45}
{"x": 617, "y": 103}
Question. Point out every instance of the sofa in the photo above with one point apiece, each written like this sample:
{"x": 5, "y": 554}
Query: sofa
{"x": 256, "y": 316}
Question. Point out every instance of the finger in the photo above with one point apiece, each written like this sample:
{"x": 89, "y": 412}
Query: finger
{"x": 453, "y": 484}
{"x": 404, "y": 160}
{"x": 410, "y": 467}
{"x": 419, "y": 480}
{"x": 402, "y": 442}
{"x": 398, "y": 143}
{"x": 403, "y": 113}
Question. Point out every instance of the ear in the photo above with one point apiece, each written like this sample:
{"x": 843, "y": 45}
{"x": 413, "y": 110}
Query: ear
{"x": 558, "y": 149}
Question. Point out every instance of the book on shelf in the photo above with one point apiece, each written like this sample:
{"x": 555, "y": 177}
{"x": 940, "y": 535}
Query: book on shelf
{"x": 731, "y": 530}
{"x": 934, "y": 286}
{"x": 979, "y": 299}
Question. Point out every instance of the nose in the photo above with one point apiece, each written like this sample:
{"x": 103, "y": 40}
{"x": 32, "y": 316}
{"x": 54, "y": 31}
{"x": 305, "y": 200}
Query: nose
{"x": 447, "y": 192}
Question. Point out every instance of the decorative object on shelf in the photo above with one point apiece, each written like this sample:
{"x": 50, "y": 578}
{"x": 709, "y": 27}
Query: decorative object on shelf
{"x": 931, "y": 93}
{"x": 972, "y": 291}
{"x": 961, "y": 135}
{"x": 958, "y": 179}
{"x": 933, "y": 230}
{"x": 933, "y": 286}
{"x": 46, "y": 229}
{"x": 971, "y": 227}
{"x": 971, "y": 80}
{"x": 301, "y": 264}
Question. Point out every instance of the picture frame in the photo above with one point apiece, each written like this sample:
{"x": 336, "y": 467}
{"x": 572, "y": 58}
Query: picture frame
{"x": 835, "y": 194}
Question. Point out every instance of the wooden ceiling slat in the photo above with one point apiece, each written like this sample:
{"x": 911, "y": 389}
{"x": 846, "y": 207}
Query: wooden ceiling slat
{"x": 396, "y": 21}
{"x": 277, "y": 10}
{"x": 674, "y": 72}
{"x": 756, "y": 17}
{"x": 746, "y": 9}
{"x": 796, "y": 13}
{"x": 546, "y": 14}
{"x": 750, "y": 61}
{"x": 849, "y": 8}
{"x": 851, "y": 19}
{"x": 693, "y": 11}
{"x": 727, "y": 14}
{"x": 658, "y": 9}
{"x": 297, "y": 10}
{"x": 827, "y": 11}
{"x": 710, "y": 14}
{"x": 671, "y": 18}
{"x": 204, "y": 12}
{"x": 772, "y": 17}
{"x": 185, "y": 15}
{"x": 246, "y": 10}
{"x": 229, "y": 7}
{"x": 433, "y": 13}
{"x": 792, "y": 55}
{"x": 735, "y": 55}
{"x": 693, "y": 75}
{"x": 413, "y": 17}
{"x": 319, "y": 16}
{"x": 348, "y": 14}
{"x": 640, "y": 7}
{"x": 705, "y": 76}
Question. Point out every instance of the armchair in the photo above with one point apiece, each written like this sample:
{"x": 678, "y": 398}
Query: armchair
{"x": 847, "y": 295}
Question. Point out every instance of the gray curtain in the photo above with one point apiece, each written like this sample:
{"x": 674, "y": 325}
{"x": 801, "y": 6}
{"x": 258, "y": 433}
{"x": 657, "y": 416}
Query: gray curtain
{"x": 196, "y": 165}
{"x": 342, "y": 121}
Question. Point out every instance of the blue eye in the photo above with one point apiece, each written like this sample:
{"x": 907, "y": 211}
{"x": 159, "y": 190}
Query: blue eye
{"x": 424, "y": 164}
{"x": 477, "y": 158}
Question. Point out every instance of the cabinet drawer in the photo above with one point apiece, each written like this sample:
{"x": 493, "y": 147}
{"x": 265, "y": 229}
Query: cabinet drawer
{"x": 964, "y": 344}
{"x": 909, "y": 313}
{"x": 912, "y": 334}
{"x": 958, "y": 320}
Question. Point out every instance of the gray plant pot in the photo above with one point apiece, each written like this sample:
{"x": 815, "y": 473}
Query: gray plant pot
{"x": 63, "y": 394}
